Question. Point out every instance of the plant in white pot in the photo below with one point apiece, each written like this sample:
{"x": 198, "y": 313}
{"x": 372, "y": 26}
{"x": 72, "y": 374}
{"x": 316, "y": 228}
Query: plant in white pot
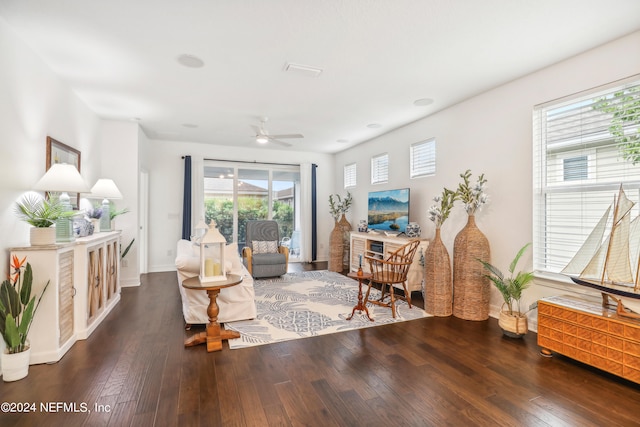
{"x": 41, "y": 213}
{"x": 513, "y": 320}
{"x": 17, "y": 310}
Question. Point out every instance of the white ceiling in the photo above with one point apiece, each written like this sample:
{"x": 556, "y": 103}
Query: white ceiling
{"x": 377, "y": 57}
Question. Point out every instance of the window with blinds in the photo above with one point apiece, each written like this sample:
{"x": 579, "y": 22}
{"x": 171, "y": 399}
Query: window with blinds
{"x": 350, "y": 175}
{"x": 585, "y": 147}
{"x": 422, "y": 158}
{"x": 380, "y": 169}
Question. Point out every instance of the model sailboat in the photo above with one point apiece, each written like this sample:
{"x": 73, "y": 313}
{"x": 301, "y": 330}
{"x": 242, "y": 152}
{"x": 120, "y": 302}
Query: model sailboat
{"x": 612, "y": 265}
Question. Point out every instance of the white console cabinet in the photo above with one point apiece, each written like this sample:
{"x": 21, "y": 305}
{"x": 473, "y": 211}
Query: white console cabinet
{"x": 84, "y": 287}
{"x": 382, "y": 245}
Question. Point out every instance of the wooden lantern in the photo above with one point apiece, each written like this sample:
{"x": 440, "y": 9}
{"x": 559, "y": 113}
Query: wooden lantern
{"x": 212, "y": 255}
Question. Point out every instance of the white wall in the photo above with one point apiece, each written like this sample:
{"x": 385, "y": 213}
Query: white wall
{"x": 166, "y": 176}
{"x": 34, "y": 104}
{"x": 119, "y": 157}
{"x": 492, "y": 134}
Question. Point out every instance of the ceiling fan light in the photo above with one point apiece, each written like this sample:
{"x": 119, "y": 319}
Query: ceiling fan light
{"x": 261, "y": 139}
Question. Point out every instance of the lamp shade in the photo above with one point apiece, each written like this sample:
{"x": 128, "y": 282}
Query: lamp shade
{"x": 105, "y": 189}
{"x": 62, "y": 177}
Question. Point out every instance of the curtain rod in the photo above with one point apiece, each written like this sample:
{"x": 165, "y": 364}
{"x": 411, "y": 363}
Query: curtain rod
{"x": 254, "y": 162}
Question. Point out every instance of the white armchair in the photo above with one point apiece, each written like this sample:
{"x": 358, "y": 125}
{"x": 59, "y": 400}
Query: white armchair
{"x": 235, "y": 303}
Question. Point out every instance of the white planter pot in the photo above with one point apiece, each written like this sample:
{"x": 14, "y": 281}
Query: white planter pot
{"x": 15, "y": 366}
{"x": 40, "y": 236}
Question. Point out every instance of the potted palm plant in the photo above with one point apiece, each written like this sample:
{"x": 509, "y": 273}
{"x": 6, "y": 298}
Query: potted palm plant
{"x": 41, "y": 213}
{"x": 513, "y": 320}
{"x": 17, "y": 310}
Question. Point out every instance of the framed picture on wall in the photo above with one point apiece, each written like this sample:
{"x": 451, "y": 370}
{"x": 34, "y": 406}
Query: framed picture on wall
{"x": 57, "y": 152}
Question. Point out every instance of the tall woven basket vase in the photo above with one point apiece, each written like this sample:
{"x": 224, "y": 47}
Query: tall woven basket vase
{"x": 346, "y": 230}
{"x": 437, "y": 286}
{"x": 471, "y": 289}
{"x": 335, "y": 249}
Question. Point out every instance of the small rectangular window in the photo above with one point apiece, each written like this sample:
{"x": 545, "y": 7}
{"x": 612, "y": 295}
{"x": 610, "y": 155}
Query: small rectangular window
{"x": 380, "y": 169}
{"x": 350, "y": 175}
{"x": 575, "y": 168}
{"x": 422, "y": 158}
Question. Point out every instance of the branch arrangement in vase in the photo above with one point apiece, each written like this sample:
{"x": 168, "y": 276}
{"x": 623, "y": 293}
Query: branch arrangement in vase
{"x": 338, "y": 205}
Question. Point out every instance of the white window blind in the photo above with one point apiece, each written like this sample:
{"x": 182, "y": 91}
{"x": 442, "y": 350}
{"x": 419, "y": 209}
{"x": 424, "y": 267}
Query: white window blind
{"x": 422, "y": 158}
{"x": 350, "y": 175}
{"x": 585, "y": 146}
{"x": 380, "y": 169}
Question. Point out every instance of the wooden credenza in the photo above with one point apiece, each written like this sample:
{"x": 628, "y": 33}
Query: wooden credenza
{"x": 583, "y": 330}
{"x": 84, "y": 287}
{"x": 382, "y": 245}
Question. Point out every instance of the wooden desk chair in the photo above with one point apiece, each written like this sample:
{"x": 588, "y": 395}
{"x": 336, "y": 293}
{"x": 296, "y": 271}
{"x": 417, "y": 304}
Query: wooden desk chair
{"x": 389, "y": 272}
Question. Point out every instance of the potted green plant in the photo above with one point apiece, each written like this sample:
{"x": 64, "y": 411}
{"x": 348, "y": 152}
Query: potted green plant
{"x": 513, "y": 320}
{"x": 113, "y": 213}
{"x": 17, "y": 310}
{"x": 41, "y": 213}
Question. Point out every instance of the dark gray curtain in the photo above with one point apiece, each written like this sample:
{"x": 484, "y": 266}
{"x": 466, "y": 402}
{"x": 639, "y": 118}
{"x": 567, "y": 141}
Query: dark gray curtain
{"x": 186, "y": 201}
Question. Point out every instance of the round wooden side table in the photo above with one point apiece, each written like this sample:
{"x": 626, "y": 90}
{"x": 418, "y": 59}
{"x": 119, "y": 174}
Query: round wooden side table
{"x": 214, "y": 334}
{"x": 360, "y": 305}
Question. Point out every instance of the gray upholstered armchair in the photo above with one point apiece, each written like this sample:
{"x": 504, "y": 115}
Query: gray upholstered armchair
{"x": 263, "y": 256}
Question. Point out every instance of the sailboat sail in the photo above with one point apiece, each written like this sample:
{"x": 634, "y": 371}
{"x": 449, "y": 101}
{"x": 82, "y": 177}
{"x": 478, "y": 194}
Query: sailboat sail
{"x": 589, "y": 247}
{"x": 618, "y": 267}
{"x": 593, "y": 270}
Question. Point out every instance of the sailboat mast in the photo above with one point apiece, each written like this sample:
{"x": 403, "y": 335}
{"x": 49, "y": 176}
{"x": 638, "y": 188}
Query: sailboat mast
{"x": 636, "y": 287}
{"x": 613, "y": 227}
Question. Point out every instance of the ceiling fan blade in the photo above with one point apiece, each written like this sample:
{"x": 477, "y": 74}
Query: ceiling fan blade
{"x": 286, "y": 144}
{"x": 256, "y": 129}
{"x": 290, "y": 135}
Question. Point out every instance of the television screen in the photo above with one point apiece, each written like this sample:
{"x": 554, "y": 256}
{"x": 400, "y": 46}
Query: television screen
{"x": 389, "y": 210}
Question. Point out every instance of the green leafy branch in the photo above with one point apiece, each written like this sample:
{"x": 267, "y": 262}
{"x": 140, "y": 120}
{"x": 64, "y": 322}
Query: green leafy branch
{"x": 624, "y": 106}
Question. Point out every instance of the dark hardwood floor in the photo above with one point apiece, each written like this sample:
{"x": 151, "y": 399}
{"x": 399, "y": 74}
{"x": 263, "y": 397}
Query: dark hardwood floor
{"x": 434, "y": 371}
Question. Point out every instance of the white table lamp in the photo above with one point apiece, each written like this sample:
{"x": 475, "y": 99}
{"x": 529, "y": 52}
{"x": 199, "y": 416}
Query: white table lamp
{"x": 63, "y": 178}
{"x": 105, "y": 189}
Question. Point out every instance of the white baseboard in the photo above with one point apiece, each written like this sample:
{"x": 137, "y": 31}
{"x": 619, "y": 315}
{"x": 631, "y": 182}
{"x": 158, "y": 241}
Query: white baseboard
{"x": 130, "y": 283}
{"x": 162, "y": 268}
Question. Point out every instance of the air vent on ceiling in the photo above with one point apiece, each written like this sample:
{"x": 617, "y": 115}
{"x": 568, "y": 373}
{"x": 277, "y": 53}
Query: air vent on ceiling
{"x": 303, "y": 70}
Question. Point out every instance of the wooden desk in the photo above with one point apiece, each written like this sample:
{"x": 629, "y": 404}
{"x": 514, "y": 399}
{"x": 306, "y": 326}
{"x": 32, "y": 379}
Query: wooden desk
{"x": 214, "y": 334}
{"x": 360, "y": 306}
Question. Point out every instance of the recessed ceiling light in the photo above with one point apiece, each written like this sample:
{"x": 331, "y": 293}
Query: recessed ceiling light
{"x": 374, "y": 125}
{"x": 422, "y": 102}
{"x": 189, "y": 125}
{"x": 190, "y": 61}
{"x": 342, "y": 141}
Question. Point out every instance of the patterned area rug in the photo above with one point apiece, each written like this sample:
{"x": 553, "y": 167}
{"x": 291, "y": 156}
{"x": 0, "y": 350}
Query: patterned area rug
{"x": 300, "y": 305}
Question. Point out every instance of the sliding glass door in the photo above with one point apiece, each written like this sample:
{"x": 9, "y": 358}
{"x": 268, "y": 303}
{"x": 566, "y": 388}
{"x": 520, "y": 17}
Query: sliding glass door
{"x": 235, "y": 193}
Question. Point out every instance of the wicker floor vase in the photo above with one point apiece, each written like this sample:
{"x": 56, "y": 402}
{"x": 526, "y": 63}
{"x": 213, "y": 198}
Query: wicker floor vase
{"x": 336, "y": 248}
{"x": 346, "y": 230}
{"x": 437, "y": 279}
{"x": 471, "y": 289}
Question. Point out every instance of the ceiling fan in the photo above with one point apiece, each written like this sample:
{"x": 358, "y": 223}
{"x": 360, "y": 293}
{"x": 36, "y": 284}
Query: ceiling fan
{"x": 262, "y": 135}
